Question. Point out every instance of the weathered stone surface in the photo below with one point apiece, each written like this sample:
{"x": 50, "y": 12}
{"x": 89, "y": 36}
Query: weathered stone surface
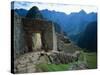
{"x": 63, "y": 58}
{"x": 28, "y": 61}
{"x": 20, "y": 46}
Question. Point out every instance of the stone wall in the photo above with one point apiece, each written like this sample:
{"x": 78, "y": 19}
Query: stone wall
{"x": 44, "y": 27}
{"x": 19, "y": 39}
{"x": 48, "y": 36}
{"x": 23, "y": 30}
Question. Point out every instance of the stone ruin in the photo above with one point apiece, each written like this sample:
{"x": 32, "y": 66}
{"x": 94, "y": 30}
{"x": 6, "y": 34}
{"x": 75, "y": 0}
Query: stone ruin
{"x": 24, "y": 28}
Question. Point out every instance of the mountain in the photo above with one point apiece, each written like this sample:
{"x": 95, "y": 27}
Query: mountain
{"x": 21, "y": 12}
{"x": 34, "y": 13}
{"x": 69, "y": 23}
{"x": 88, "y": 38}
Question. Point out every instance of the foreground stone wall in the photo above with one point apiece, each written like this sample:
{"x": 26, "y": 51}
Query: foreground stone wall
{"x": 19, "y": 40}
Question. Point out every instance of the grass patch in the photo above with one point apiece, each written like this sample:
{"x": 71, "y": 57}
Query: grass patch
{"x": 91, "y": 59}
{"x": 53, "y": 67}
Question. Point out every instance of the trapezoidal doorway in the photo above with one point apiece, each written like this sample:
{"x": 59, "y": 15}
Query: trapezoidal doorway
{"x": 40, "y": 34}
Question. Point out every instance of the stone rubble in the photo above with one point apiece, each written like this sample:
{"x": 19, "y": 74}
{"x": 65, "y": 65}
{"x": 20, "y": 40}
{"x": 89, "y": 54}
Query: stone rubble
{"x": 27, "y": 63}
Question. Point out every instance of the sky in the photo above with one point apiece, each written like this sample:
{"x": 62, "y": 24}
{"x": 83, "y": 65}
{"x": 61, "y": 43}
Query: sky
{"x": 66, "y": 8}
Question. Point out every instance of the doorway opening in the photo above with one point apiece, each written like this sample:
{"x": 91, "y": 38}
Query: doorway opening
{"x": 36, "y": 41}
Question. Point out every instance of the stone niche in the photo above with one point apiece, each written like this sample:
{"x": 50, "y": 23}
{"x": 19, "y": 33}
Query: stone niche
{"x": 45, "y": 30}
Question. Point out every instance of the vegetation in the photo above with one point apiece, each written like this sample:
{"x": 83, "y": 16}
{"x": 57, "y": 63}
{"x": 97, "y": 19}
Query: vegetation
{"x": 53, "y": 67}
{"x": 91, "y": 59}
{"x": 34, "y": 13}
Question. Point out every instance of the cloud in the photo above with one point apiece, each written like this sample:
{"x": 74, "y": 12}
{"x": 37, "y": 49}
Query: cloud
{"x": 57, "y": 7}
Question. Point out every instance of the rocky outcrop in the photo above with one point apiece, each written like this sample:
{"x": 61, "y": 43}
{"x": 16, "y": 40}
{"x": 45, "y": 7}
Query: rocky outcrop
{"x": 64, "y": 58}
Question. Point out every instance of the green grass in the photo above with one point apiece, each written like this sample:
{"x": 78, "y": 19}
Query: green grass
{"x": 91, "y": 59}
{"x": 53, "y": 67}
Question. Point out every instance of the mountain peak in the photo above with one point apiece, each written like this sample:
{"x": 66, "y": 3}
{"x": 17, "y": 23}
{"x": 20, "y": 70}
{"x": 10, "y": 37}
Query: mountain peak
{"x": 82, "y": 11}
{"x": 34, "y": 13}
